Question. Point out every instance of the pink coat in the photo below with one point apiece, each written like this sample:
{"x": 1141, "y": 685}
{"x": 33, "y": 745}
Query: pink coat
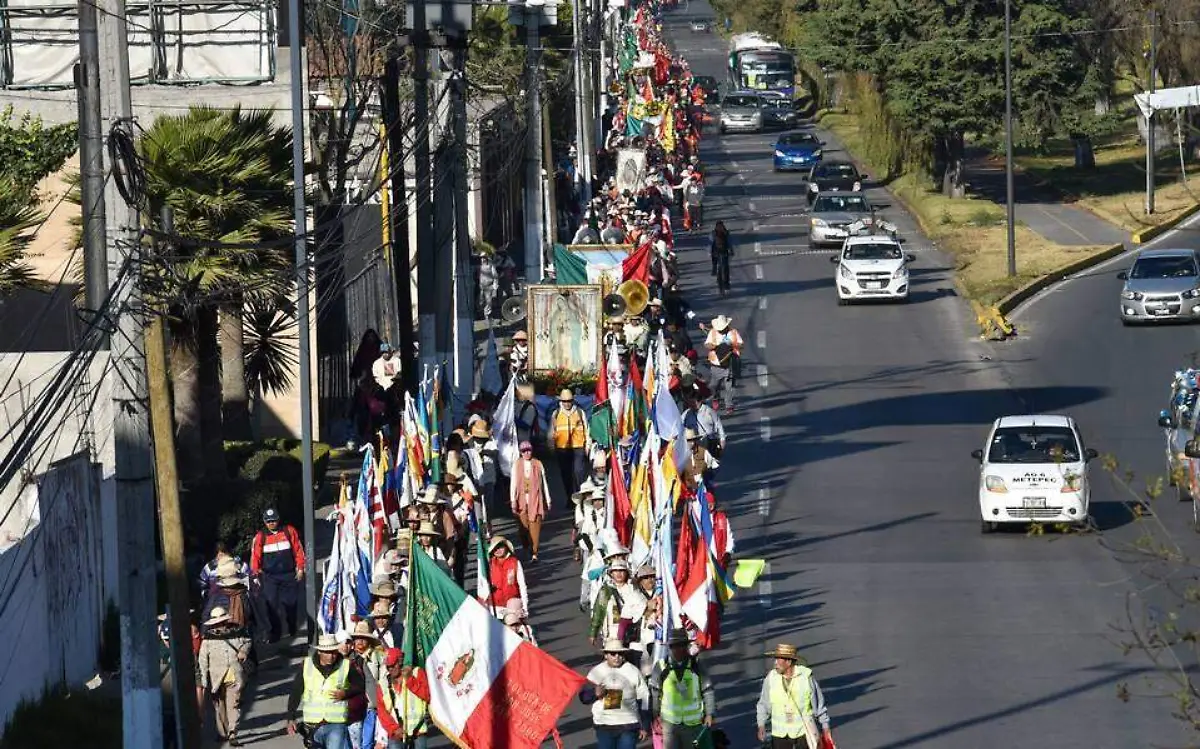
{"x": 530, "y": 496}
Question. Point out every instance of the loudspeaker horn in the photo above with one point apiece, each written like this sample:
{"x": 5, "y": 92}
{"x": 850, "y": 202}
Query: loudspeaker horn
{"x": 636, "y": 296}
{"x": 614, "y": 305}
{"x": 513, "y": 309}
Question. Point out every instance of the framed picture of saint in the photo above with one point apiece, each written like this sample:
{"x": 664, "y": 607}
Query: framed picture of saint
{"x": 565, "y": 328}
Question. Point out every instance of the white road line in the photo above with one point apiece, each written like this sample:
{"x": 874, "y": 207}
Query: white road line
{"x": 758, "y": 273}
{"x": 764, "y": 586}
{"x": 764, "y": 428}
{"x": 764, "y": 501}
{"x": 760, "y": 339}
{"x": 762, "y": 302}
{"x": 762, "y": 376}
{"x": 750, "y": 205}
{"x": 757, "y": 247}
{"x": 734, "y": 164}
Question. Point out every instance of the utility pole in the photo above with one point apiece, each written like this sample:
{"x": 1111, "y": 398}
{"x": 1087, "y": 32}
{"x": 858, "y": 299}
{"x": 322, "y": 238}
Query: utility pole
{"x": 1150, "y": 146}
{"x": 1009, "y": 208}
{"x": 426, "y": 258}
{"x": 91, "y": 157}
{"x": 398, "y": 222}
{"x": 533, "y": 200}
{"x": 141, "y": 697}
{"x": 464, "y": 286}
{"x": 582, "y": 180}
{"x": 443, "y": 207}
{"x": 549, "y": 172}
{"x": 303, "y": 310}
{"x": 170, "y": 523}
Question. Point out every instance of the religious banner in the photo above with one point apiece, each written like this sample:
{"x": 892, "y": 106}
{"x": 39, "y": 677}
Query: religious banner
{"x": 631, "y": 169}
{"x": 604, "y": 263}
{"x": 565, "y": 322}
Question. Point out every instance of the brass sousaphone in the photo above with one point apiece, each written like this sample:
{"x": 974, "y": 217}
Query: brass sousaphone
{"x": 636, "y": 296}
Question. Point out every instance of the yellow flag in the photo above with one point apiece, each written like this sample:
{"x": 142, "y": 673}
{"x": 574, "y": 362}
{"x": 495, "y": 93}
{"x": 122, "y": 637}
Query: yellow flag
{"x": 672, "y": 487}
{"x": 746, "y": 571}
{"x": 639, "y": 499}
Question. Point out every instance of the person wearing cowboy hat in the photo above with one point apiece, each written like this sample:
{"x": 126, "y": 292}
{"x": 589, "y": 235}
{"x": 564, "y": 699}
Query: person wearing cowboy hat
{"x": 681, "y": 694}
{"x": 518, "y": 355}
{"x": 636, "y": 332}
{"x": 383, "y": 589}
{"x": 700, "y": 417}
{"x": 482, "y": 455}
{"x": 568, "y": 435}
{"x": 461, "y": 495}
{"x": 319, "y": 701}
{"x": 616, "y": 690}
{"x": 429, "y": 540}
{"x": 645, "y": 581}
{"x": 529, "y": 497}
{"x": 724, "y": 344}
{"x": 402, "y": 701}
{"x": 656, "y": 319}
{"x": 219, "y": 667}
{"x": 365, "y": 654}
{"x": 617, "y": 606}
{"x": 506, "y": 578}
{"x": 700, "y": 464}
{"x": 384, "y": 624}
{"x": 435, "y": 505}
{"x": 792, "y": 701}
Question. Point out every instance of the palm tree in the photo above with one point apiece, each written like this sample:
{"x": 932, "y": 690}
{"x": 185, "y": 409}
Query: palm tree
{"x": 226, "y": 175}
{"x": 18, "y": 218}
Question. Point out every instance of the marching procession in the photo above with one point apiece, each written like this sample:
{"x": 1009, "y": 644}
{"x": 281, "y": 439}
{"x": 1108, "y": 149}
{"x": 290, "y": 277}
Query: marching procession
{"x": 425, "y": 604}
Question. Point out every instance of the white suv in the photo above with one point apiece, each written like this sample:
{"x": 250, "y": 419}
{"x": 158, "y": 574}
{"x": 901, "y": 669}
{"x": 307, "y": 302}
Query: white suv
{"x": 1033, "y": 468}
{"x": 871, "y": 267}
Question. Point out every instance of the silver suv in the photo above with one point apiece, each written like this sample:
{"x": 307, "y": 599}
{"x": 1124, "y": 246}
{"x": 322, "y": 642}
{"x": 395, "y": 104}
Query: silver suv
{"x": 1161, "y": 285}
{"x": 742, "y": 111}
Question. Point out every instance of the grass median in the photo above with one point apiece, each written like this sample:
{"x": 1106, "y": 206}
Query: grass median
{"x": 970, "y": 229}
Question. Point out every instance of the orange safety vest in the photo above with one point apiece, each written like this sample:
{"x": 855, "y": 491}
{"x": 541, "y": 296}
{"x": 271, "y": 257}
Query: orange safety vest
{"x": 569, "y": 429}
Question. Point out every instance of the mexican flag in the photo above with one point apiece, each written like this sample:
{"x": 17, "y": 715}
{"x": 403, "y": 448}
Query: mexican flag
{"x": 489, "y": 689}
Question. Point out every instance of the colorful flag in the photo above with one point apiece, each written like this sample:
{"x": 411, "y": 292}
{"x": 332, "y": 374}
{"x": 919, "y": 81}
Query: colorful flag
{"x": 633, "y": 421}
{"x": 435, "y": 428}
{"x": 489, "y": 689}
{"x": 364, "y": 531}
{"x": 641, "y": 502}
{"x": 615, "y": 384}
{"x": 504, "y": 428}
{"x": 483, "y": 586}
{"x": 415, "y": 446}
{"x": 670, "y": 487}
{"x": 746, "y": 571}
{"x": 618, "y": 500}
{"x": 722, "y": 586}
{"x": 692, "y": 576}
{"x": 332, "y": 591}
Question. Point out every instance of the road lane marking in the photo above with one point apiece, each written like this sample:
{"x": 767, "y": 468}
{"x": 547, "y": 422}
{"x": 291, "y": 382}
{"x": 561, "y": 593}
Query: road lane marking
{"x": 764, "y": 428}
{"x": 760, "y": 339}
{"x": 757, "y": 247}
{"x": 750, "y": 205}
{"x": 758, "y": 273}
{"x": 762, "y": 303}
{"x": 764, "y": 501}
{"x": 762, "y": 376}
{"x": 765, "y": 588}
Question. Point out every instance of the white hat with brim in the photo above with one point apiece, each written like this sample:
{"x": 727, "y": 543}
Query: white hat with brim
{"x": 327, "y": 644}
{"x": 720, "y": 322}
{"x": 585, "y": 490}
{"x": 499, "y": 541}
{"x": 616, "y": 551}
{"x": 430, "y": 496}
{"x": 217, "y": 616}
{"x": 614, "y": 645}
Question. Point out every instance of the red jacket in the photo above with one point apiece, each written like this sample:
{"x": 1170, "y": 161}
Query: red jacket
{"x": 502, "y": 574}
{"x": 418, "y": 684}
{"x": 278, "y": 553}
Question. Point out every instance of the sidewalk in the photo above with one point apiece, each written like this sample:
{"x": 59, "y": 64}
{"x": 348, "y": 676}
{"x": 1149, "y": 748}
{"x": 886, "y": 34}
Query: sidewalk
{"x": 1037, "y": 206}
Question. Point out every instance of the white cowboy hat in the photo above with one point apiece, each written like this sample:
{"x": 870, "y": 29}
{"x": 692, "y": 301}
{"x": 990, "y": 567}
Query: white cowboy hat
{"x": 720, "y": 322}
{"x": 383, "y": 589}
{"x": 363, "y": 630}
{"x": 430, "y": 496}
{"x": 427, "y": 529}
{"x": 614, "y": 645}
{"x": 218, "y": 615}
{"x": 327, "y": 644}
{"x": 655, "y": 302}
{"x": 499, "y": 541}
{"x": 616, "y": 551}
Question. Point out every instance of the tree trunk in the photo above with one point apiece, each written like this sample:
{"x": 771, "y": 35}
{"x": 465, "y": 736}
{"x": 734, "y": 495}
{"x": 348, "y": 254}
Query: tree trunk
{"x": 235, "y": 395}
{"x": 953, "y": 178}
{"x": 185, "y": 387}
{"x": 208, "y": 353}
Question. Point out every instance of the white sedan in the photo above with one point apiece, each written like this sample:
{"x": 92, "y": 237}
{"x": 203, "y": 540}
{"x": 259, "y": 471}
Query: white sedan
{"x": 1033, "y": 468}
{"x": 871, "y": 267}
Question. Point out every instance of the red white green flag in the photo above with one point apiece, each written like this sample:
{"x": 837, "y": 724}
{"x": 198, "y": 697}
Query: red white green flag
{"x": 489, "y": 689}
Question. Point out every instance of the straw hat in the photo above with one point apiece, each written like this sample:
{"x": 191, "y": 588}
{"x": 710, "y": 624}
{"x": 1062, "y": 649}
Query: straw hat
{"x": 228, "y": 574}
{"x": 380, "y": 610}
{"x": 520, "y": 335}
{"x": 720, "y": 322}
{"x": 362, "y": 631}
{"x": 614, "y": 645}
{"x": 785, "y": 651}
{"x": 384, "y": 589}
{"x": 689, "y": 434}
{"x": 327, "y": 644}
{"x": 480, "y": 429}
{"x": 566, "y": 395}
{"x": 499, "y": 541}
{"x": 619, "y": 566}
{"x": 429, "y": 496}
{"x": 218, "y": 615}
{"x": 427, "y": 529}
{"x": 645, "y": 571}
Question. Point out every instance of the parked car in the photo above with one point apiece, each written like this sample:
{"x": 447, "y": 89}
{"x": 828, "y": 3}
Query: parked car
{"x": 797, "y": 150}
{"x": 1161, "y": 285}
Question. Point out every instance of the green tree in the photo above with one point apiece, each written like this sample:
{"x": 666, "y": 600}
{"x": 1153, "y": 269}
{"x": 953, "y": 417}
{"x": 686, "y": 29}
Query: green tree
{"x": 226, "y": 174}
{"x": 18, "y": 218}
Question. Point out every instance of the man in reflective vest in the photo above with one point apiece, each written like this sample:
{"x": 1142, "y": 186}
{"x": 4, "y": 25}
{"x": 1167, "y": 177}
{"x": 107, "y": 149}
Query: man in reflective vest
{"x": 402, "y": 703}
{"x": 568, "y": 436}
{"x": 793, "y": 701}
{"x": 321, "y": 695}
{"x": 277, "y": 561}
{"x": 681, "y": 695}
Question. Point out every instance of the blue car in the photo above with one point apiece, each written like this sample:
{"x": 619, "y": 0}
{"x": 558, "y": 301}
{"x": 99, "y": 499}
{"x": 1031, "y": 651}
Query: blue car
{"x": 797, "y": 151}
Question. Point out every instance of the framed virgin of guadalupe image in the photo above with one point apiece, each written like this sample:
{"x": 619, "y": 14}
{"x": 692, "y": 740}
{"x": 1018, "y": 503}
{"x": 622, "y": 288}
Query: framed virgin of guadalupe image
{"x": 565, "y": 327}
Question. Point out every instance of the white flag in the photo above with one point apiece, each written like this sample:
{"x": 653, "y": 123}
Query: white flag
{"x": 504, "y": 428}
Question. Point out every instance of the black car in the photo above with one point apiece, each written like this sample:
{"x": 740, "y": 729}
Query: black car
{"x": 834, "y": 176}
{"x": 708, "y": 84}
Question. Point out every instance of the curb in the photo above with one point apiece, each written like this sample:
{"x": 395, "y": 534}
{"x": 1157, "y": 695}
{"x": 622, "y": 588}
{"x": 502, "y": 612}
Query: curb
{"x": 1146, "y": 235}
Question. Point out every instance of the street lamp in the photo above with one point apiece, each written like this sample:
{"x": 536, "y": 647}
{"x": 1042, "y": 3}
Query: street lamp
{"x": 1008, "y": 141}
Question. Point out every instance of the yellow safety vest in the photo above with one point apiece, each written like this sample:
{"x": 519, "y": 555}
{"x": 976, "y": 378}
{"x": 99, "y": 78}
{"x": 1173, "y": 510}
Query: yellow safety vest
{"x": 790, "y": 705}
{"x": 318, "y": 704}
{"x": 414, "y": 708}
{"x": 569, "y": 429}
{"x": 682, "y": 704}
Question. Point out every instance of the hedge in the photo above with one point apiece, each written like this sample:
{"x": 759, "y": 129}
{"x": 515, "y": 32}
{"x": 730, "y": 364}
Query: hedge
{"x": 66, "y": 718}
